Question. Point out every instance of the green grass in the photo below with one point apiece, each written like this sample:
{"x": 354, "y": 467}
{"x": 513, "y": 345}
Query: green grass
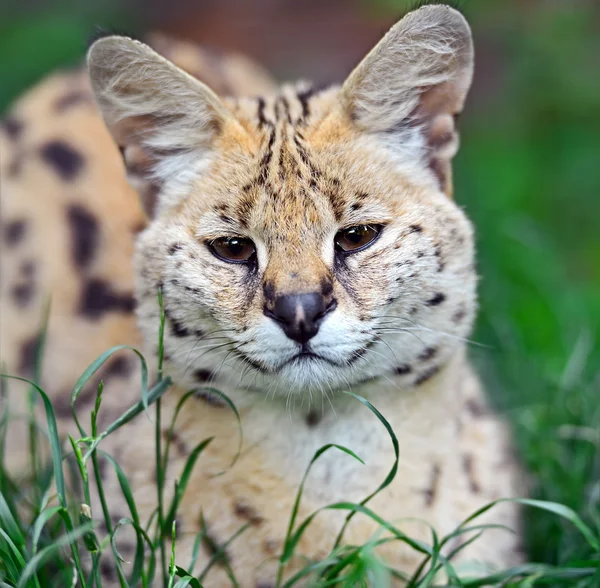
{"x": 50, "y": 537}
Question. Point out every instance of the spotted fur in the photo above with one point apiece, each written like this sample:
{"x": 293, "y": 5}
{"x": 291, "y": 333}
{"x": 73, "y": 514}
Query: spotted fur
{"x": 287, "y": 169}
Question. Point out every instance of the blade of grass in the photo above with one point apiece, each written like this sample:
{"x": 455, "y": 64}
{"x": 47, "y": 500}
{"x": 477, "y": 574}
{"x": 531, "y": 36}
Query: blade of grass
{"x": 185, "y": 478}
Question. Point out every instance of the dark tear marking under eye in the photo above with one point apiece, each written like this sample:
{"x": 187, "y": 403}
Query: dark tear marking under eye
{"x": 467, "y": 464}
{"x": 345, "y": 278}
{"x": 427, "y": 375}
{"x": 85, "y": 235}
{"x": 12, "y": 127}
{"x": 97, "y": 298}
{"x": 14, "y": 231}
{"x": 403, "y": 370}
{"x": 269, "y": 291}
{"x": 29, "y": 352}
{"x": 430, "y": 493}
{"x": 65, "y": 161}
{"x": 436, "y": 299}
{"x": 71, "y": 99}
{"x": 428, "y": 353}
{"x": 326, "y": 286}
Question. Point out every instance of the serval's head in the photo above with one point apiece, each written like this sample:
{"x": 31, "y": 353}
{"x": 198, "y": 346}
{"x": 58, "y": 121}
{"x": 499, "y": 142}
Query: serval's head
{"x": 306, "y": 240}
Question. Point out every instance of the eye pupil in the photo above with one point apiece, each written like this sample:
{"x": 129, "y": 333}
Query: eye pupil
{"x": 233, "y": 249}
{"x": 356, "y": 238}
{"x": 235, "y": 246}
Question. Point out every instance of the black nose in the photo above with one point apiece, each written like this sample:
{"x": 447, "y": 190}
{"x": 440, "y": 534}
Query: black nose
{"x": 300, "y": 315}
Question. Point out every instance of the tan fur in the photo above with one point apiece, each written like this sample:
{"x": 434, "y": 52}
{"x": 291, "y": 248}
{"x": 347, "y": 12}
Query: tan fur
{"x": 288, "y": 171}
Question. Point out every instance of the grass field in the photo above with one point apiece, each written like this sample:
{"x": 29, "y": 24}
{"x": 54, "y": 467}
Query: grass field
{"x": 529, "y": 176}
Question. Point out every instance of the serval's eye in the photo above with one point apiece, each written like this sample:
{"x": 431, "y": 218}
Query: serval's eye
{"x": 233, "y": 249}
{"x": 357, "y": 238}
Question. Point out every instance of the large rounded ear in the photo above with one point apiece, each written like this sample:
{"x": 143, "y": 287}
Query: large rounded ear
{"x": 410, "y": 88}
{"x": 164, "y": 120}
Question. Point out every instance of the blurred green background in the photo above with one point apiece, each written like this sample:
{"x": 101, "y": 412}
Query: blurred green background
{"x": 528, "y": 175}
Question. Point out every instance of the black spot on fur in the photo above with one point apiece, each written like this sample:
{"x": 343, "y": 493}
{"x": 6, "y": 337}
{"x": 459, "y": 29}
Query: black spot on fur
{"x": 403, "y": 370}
{"x": 177, "y": 329}
{"x": 27, "y": 269}
{"x": 71, "y": 99}
{"x": 61, "y": 403}
{"x": 120, "y": 366}
{"x": 65, "y": 161}
{"x": 431, "y": 492}
{"x": 475, "y": 408}
{"x": 415, "y": 229}
{"x": 247, "y": 512}
{"x": 440, "y": 260}
{"x": 427, "y": 375}
{"x": 176, "y": 441}
{"x": 23, "y": 293}
{"x": 459, "y": 315}
{"x": 97, "y": 298}
{"x": 13, "y": 232}
{"x": 467, "y": 464}
{"x": 174, "y": 248}
{"x": 257, "y": 366}
{"x": 210, "y": 398}
{"x": 428, "y": 353}
{"x": 29, "y": 352}
{"x": 108, "y": 571}
{"x": 436, "y": 299}
{"x": 202, "y": 375}
{"x": 12, "y": 127}
{"x": 213, "y": 546}
{"x": 313, "y": 418}
{"x": 85, "y": 235}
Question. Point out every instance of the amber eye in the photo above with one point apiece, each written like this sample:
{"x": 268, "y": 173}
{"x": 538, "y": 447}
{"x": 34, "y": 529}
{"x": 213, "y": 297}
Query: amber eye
{"x": 356, "y": 238}
{"x": 233, "y": 249}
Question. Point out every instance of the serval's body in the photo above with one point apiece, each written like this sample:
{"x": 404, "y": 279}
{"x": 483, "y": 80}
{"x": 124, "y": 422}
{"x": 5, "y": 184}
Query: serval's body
{"x": 284, "y": 174}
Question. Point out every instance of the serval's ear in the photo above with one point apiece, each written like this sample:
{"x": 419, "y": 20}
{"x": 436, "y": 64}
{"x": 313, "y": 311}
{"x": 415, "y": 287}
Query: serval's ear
{"x": 409, "y": 89}
{"x": 164, "y": 120}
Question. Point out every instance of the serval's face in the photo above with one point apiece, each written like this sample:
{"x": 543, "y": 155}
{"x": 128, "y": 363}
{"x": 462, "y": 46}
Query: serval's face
{"x": 305, "y": 241}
